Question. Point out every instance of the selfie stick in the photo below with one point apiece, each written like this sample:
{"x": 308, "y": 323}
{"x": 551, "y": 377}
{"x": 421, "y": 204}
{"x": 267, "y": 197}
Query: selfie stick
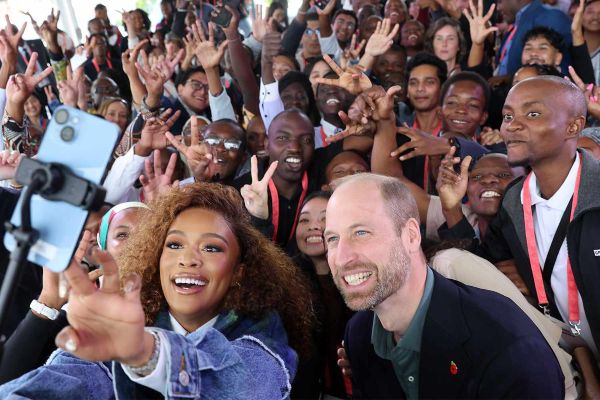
{"x": 53, "y": 182}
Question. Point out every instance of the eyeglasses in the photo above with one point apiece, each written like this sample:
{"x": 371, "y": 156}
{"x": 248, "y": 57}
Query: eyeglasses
{"x": 349, "y": 24}
{"x": 311, "y": 32}
{"x": 229, "y": 144}
{"x": 197, "y": 85}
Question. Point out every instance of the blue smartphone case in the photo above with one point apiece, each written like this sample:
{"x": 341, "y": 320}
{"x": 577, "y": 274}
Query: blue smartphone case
{"x": 59, "y": 224}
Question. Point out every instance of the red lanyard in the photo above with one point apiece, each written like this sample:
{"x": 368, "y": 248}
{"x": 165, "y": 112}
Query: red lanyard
{"x": 436, "y": 132}
{"x": 275, "y": 202}
{"x": 97, "y": 67}
{"x": 513, "y": 31}
{"x": 534, "y": 261}
{"x": 323, "y": 137}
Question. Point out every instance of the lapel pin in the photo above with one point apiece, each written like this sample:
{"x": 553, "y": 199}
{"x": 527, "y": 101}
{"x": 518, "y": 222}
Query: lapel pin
{"x": 453, "y": 368}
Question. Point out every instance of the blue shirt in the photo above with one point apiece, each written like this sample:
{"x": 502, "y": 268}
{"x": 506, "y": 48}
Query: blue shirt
{"x": 503, "y": 67}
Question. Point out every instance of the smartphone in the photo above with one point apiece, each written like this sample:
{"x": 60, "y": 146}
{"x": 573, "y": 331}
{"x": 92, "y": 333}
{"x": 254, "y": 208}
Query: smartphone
{"x": 223, "y": 18}
{"x": 85, "y": 144}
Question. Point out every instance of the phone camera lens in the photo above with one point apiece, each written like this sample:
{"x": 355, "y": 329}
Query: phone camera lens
{"x": 61, "y": 116}
{"x": 67, "y": 133}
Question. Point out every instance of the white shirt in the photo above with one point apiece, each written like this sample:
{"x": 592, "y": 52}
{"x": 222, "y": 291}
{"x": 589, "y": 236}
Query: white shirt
{"x": 328, "y": 129}
{"x": 546, "y": 218}
{"x": 159, "y": 378}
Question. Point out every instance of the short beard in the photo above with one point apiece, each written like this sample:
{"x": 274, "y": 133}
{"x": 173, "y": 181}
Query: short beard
{"x": 391, "y": 277}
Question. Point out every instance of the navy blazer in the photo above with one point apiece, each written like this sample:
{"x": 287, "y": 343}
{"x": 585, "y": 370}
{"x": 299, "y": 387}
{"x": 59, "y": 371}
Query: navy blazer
{"x": 538, "y": 14}
{"x": 498, "y": 351}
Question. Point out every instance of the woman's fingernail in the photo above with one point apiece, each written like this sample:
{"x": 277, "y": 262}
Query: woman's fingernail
{"x": 71, "y": 346}
{"x": 590, "y": 86}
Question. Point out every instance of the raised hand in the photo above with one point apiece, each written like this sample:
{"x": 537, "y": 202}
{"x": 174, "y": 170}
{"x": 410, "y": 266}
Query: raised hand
{"x": 452, "y": 186}
{"x": 206, "y": 52}
{"x": 154, "y": 78}
{"x": 352, "y": 52}
{"x": 105, "y": 324}
{"x": 34, "y": 23}
{"x": 68, "y": 89}
{"x": 154, "y": 131}
{"x": 9, "y": 43}
{"x": 478, "y": 22}
{"x": 256, "y": 196}
{"x": 130, "y": 56}
{"x": 449, "y": 6}
{"x": 421, "y": 143}
{"x": 260, "y": 25}
{"x": 370, "y": 107}
{"x": 20, "y": 86}
{"x": 156, "y": 182}
{"x": 591, "y": 92}
{"x": 577, "y": 25}
{"x": 197, "y": 155}
{"x": 231, "y": 30}
{"x": 353, "y": 79}
{"x": 49, "y": 94}
{"x": 382, "y": 39}
{"x": 9, "y": 162}
{"x": 328, "y": 8}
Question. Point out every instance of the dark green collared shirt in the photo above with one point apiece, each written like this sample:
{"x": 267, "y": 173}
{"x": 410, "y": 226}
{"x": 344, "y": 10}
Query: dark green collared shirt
{"x": 405, "y": 355}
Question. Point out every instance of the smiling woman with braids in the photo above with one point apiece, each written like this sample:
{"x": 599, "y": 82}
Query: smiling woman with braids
{"x": 220, "y": 298}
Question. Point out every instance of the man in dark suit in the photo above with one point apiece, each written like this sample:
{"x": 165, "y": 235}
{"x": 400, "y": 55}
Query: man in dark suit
{"x": 418, "y": 334}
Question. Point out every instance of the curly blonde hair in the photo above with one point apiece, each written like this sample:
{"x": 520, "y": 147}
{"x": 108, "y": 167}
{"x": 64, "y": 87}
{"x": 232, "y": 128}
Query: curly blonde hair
{"x": 268, "y": 281}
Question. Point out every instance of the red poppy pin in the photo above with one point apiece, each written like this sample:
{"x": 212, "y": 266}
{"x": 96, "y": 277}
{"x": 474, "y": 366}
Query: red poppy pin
{"x": 453, "y": 368}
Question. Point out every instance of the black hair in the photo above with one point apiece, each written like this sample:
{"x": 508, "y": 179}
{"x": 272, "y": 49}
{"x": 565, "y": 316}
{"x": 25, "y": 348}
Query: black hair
{"x": 312, "y": 17}
{"x": 184, "y": 76}
{"x": 541, "y": 69}
{"x": 467, "y": 76}
{"x": 310, "y": 64}
{"x": 99, "y": 6}
{"x": 555, "y": 39}
{"x": 275, "y": 5}
{"x": 145, "y": 18}
{"x": 397, "y": 48}
{"x": 237, "y": 127}
{"x": 319, "y": 194}
{"x": 291, "y": 58}
{"x": 425, "y": 58}
{"x": 298, "y": 77}
{"x": 350, "y": 13}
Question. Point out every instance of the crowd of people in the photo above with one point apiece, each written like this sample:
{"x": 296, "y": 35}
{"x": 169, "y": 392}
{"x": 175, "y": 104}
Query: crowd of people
{"x": 372, "y": 199}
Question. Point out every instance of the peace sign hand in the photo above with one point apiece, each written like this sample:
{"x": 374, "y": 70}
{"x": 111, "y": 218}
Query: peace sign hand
{"x": 421, "y": 143}
{"x": 153, "y": 133}
{"x": 156, "y": 182}
{"x": 20, "y": 86}
{"x": 353, "y": 79}
{"x": 255, "y": 195}
{"x": 197, "y": 155}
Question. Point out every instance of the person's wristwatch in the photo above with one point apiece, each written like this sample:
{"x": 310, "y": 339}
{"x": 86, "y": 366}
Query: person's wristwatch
{"x": 146, "y": 111}
{"x": 42, "y": 309}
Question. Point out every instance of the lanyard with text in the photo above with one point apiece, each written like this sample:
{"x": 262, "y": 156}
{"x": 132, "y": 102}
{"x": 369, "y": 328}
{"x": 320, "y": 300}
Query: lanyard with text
{"x": 97, "y": 67}
{"x": 534, "y": 261}
{"x": 275, "y": 202}
{"x": 436, "y": 133}
{"x": 323, "y": 137}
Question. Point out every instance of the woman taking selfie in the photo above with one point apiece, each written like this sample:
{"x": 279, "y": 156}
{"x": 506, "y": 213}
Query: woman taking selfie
{"x": 219, "y": 295}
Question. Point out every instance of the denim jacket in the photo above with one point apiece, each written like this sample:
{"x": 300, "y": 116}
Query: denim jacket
{"x": 239, "y": 358}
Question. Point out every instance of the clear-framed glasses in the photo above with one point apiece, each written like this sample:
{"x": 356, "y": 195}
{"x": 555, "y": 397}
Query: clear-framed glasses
{"x": 197, "y": 85}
